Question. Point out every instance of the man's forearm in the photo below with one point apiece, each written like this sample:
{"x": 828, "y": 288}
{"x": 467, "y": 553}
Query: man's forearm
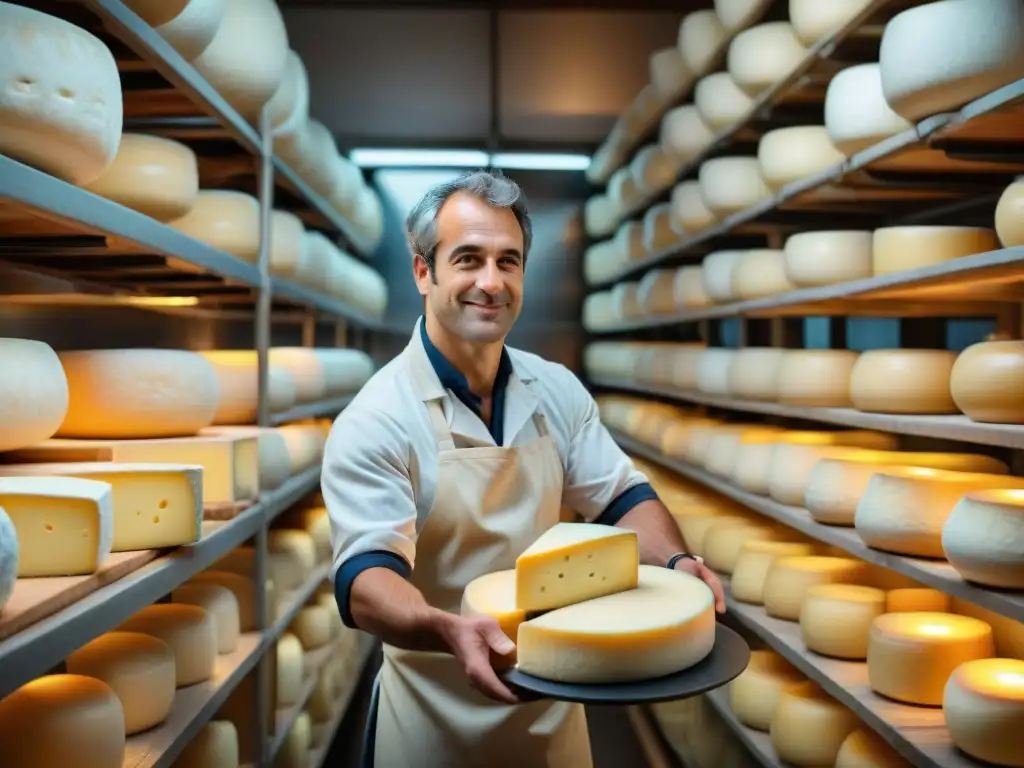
{"x": 389, "y": 607}
{"x": 658, "y": 534}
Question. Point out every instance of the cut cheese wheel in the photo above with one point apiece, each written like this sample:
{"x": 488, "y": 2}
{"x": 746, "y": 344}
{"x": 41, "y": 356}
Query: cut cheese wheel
{"x": 188, "y": 25}
{"x": 983, "y": 705}
{"x": 684, "y": 135}
{"x": 718, "y": 268}
{"x": 987, "y": 382}
{"x": 289, "y": 670}
{"x": 713, "y": 371}
{"x": 939, "y": 56}
{"x": 983, "y": 538}
{"x": 1010, "y": 215}
{"x": 138, "y": 668}
{"x": 789, "y": 578}
{"x": 904, "y": 509}
{"x": 827, "y": 258}
{"x": 226, "y": 220}
{"x": 494, "y": 595}
{"x": 689, "y": 289}
{"x": 753, "y": 563}
{"x": 689, "y": 212}
{"x": 916, "y": 600}
{"x": 215, "y": 746}
{"x": 238, "y": 378}
{"x": 221, "y": 603}
{"x": 834, "y": 486}
{"x": 720, "y": 102}
{"x": 816, "y": 377}
{"x": 33, "y": 393}
{"x": 739, "y": 14}
{"x": 600, "y": 216}
{"x": 189, "y": 631}
{"x": 814, "y": 20}
{"x": 806, "y": 709}
{"x": 664, "y": 625}
{"x": 731, "y": 184}
{"x": 138, "y": 393}
{"x": 857, "y": 115}
{"x": 896, "y": 249}
{"x": 787, "y": 155}
{"x": 72, "y": 721}
{"x": 865, "y": 749}
{"x": 658, "y": 232}
{"x": 835, "y": 619}
{"x": 701, "y": 37}
{"x": 912, "y": 655}
{"x": 669, "y": 74}
{"x": 695, "y": 527}
{"x": 64, "y": 525}
{"x": 903, "y": 381}
{"x": 722, "y": 543}
{"x": 762, "y": 56}
{"x": 8, "y": 558}
{"x": 754, "y": 695}
{"x": 573, "y": 562}
{"x": 242, "y": 586}
{"x": 758, "y": 273}
{"x": 61, "y": 108}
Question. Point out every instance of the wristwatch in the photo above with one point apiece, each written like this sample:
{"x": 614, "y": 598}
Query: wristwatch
{"x": 682, "y": 556}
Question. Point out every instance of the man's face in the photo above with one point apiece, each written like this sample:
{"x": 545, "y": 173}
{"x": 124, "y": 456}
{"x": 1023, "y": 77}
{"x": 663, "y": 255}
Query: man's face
{"x": 478, "y": 291}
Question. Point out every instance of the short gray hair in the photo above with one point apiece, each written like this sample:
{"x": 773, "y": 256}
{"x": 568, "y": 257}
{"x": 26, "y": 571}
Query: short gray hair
{"x": 493, "y": 187}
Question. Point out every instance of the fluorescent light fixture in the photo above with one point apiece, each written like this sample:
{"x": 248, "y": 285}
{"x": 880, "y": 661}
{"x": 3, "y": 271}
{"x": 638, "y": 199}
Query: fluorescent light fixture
{"x": 540, "y": 161}
{"x": 468, "y": 158}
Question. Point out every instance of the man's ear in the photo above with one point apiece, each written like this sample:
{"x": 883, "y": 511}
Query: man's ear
{"x": 421, "y": 272}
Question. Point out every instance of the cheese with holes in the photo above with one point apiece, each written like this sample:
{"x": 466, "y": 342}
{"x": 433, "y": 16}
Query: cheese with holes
{"x": 754, "y": 561}
{"x": 137, "y": 393}
{"x": 65, "y": 525}
{"x": 916, "y": 600}
{"x": 723, "y": 542}
{"x": 803, "y": 711}
{"x": 895, "y": 249}
{"x": 983, "y": 538}
{"x": 835, "y": 619}
{"x": 243, "y": 587}
{"x": 152, "y": 175}
{"x": 218, "y": 601}
{"x": 762, "y": 56}
{"x": 753, "y": 373}
{"x": 572, "y": 562}
{"x": 238, "y": 378}
{"x": 739, "y": 14}
{"x": 912, "y": 655}
{"x": 689, "y": 212}
{"x": 713, "y": 371}
{"x": 312, "y": 625}
{"x": 903, "y": 381}
{"x": 865, "y": 749}
{"x": 835, "y": 486}
{"x": 857, "y": 115}
{"x": 720, "y": 102}
{"x": 189, "y": 631}
{"x": 289, "y": 670}
{"x": 760, "y": 272}
{"x": 668, "y": 73}
{"x": 789, "y": 578}
{"x": 215, "y": 746}
{"x": 226, "y": 220}
{"x": 684, "y": 134}
{"x": 701, "y": 37}
{"x": 987, "y": 382}
{"x": 139, "y": 668}
{"x": 155, "y": 505}
{"x": 787, "y": 155}
{"x": 827, "y": 258}
{"x": 983, "y": 705}
{"x": 814, "y": 20}
{"x": 939, "y": 56}
{"x": 33, "y": 393}
{"x": 731, "y": 184}
{"x": 1010, "y": 215}
{"x": 664, "y": 625}
{"x": 754, "y": 695}
{"x": 72, "y": 721}
{"x": 816, "y": 377}
{"x": 60, "y": 109}
{"x": 904, "y": 509}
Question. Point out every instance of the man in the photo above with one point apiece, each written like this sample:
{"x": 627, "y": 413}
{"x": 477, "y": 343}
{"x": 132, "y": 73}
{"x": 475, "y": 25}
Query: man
{"x": 452, "y": 460}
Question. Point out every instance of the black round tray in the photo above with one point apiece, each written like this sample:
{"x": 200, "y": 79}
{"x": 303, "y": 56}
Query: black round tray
{"x": 727, "y": 660}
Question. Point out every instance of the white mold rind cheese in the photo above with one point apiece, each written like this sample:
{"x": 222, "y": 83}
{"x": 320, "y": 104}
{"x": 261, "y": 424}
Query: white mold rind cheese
{"x": 987, "y": 382}
{"x": 226, "y": 220}
{"x": 720, "y": 102}
{"x": 761, "y": 56}
{"x": 701, "y": 37}
{"x": 731, "y": 184}
{"x": 857, "y": 115}
{"x": 983, "y": 705}
{"x": 33, "y": 393}
{"x": 983, "y": 538}
{"x": 787, "y": 155}
{"x": 814, "y": 19}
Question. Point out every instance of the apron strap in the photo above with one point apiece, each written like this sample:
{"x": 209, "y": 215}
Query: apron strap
{"x": 445, "y": 442}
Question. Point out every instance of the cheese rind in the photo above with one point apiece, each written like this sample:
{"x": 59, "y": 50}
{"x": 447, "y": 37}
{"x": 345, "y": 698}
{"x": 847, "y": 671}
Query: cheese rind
{"x": 805, "y": 710}
{"x": 689, "y": 211}
{"x": 8, "y": 558}
{"x": 789, "y": 578}
{"x": 723, "y": 542}
{"x": 916, "y": 600}
{"x": 572, "y": 562}
{"x": 33, "y": 393}
{"x": 865, "y": 749}
{"x": 827, "y": 258}
{"x": 983, "y": 705}
{"x": 856, "y": 113}
{"x": 731, "y": 184}
{"x": 312, "y": 625}
{"x": 218, "y": 601}
{"x": 983, "y": 538}
{"x": 237, "y": 373}
{"x": 215, "y": 746}
{"x": 787, "y": 155}
{"x": 717, "y": 271}
{"x": 242, "y": 586}
{"x": 987, "y": 382}
{"x": 835, "y": 619}
{"x": 912, "y": 381}
{"x": 760, "y": 272}
{"x": 226, "y": 220}
{"x": 895, "y": 249}
{"x": 754, "y": 695}
{"x": 720, "y": 102}
{"x": 189, "y": 631}
{"x": 701, "y": 36}
{"x": 753, "y": 564}
{"x": 761, "y": 56}
{"x": 64, "y": 525}
{"x": 814, "y": 20}
{"x": 1010, "y": 215}
{"x": 816, "y": 377}
{"x": 289, "y": 670}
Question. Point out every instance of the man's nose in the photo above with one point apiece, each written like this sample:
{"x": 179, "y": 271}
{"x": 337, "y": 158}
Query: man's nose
{"x": 490, "y": 280}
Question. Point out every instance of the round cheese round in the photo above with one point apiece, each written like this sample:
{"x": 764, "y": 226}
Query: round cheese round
{"x": 238, "y": 379}
{"x": 289, "y": 106}
{"x": 306, "y": 369}
{"x": 33, "y": 393}
{"x": 983, "y": 705}
{"x": 689, "y": 289}
{"x": 720, "y": 102}
{"x": 896, "y": 249}
{"x": 912, "y": 655}
{"x": 983, "y": 538}
{"x": 221, "y": 603}
{"x": 762, "y": 56}
{"x": 722, "y": 543}
{"x": 226, "y": 220}
{"x": 1008, "y": 633}
{"x": 814, "y": 20}
{"x": 810, "y": 726}
{"x": 669, "y": 74}
{"x": 230, "y": 574}
{"x": 987, "y": 382}
{"x": 816, "y": 377}
{"x": 754, "y": 371}
{"x": 827, "y": 258}
{"x": 731, "y": 184}
{"x": 189, "y": 631}
{"x": 294, "y": 752}
{"x": 791, "y": 465}
{"x": 312, "y": 625}
{"x": 903, "y": 381}
{"x": 600, "y": 216}
{"x": 758, "y": 273}
{"x": 622, "y": 189}
{"x": 9, "y": 556}
{"x": 138, "y": 393}
{"x": 713, "y": 371}
{"x": 718, "y": 268}
{"x": 724, "y": 447}
{"x": 188, "y": 25}
{"x": 916, "y": 600}
{"x": 755, "y": 559}
{"x": 835, "y": 619}
{"x": 865, "y": 749}
{"x": 694, "y": 528}
{"x": 599, "y": 312}
{"x": 739, "y": 14}
{"x": 215, "y": 746}
{"x": 345, "y": 370}
{"x": 787, "y": 155}
{"x": 656, "y": 293}
{"x": 857, "y": 115}
{"x": 1010, "y": 215}
{"x": 789, "y": 578}
{"x": 689, "y": 212}
{"x": 298, "y": 549}
{"x": 658, "y": 232}
{"x": 701, "y": 37}
{"x": 754, "y": 695}
{"x": 653, "y": 169}
{"x": 629, "y": 239}
{"x": 684, "y": 134}
{"x": 289, "y": 670}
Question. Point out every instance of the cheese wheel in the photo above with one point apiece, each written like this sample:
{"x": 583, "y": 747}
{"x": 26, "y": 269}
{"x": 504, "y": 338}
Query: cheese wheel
{"x": 718, "y": 268}
{"x": 916, "y": 600}
{"x": 237, "y": 376}
{"x": 896, "y": 249}
{"x": 312, "y": 625}
{"x": 658, "y": 232}
{"x": 1010, "y": 215}
{"x": 789, "y": 578}
{"x": 289, "y": 670}
{"x": 912, "y": 655}
{"x": 694, "y": 527}
{"x": 684, "y": 365}
{"x": 629, "y": 239}
{"x": 189, "y": 631}
{"x": 814, "y": 20}
{"x": 1008, "y": 634}
{"x": 289, "y": 248}
{"x": 791, "y": 464}
{"x": 215, "y": 746}
{"x": 903, "y": 381}
{"x": 816, "y": 377}
{"x": 983, "y": 538}
{"x": 987, "y": 382}
{"x": 60, "y": 110}
{"x": 656, "y": 293}
{"x": 288, "y": 108}
{"x": 753, "y": 563}
{"x": 137, "y": 393}
{"x": 242, "y": 586}
{"x": 762, "y": 56}
{"x": 827, "y": 258}
{"x": 70, "y": 721}
{"x": 653, "y": 169}
{"x": 983, "y": 705}
{"x": 188, "y": 25}
{"x": 600, "y": 216}
{"x": 723, "y": 448}
{"x": 731, "y": 184}
{"x": 494, "y": 595}
{"x": 294, "y": 752}
{"x": 720, "y": 102}
{"x": 713, "y": 371}
{"x": 787, "y": 155}
{"x": 689, "y": 289}
{"x": 689, "y": 212}
{"x": 835, "y": 619}
{"x": 9, "y": 556}
{"x": 627, "y": 301}
{"x": 939, "y": 56}
{"x": 297, "y": 550}
{"x": 684, "y": 134}
{"x": 701, "y": 37}
{"x": 865, "y": 749}
{"x": 834, "y": 486}
{"x": 306, "y": 369}
{"x": 754, "y": 695}
{"x": 753, "y": 372}
{"x": 758, "y": 273}
{"x": 857, "y": 115}
{"x": 722, "y": 543}
{"x": 622, "y": 190}
{"x": 221, "y": 603}
{"x": 806, "y": 709}
{"x": 669, "y": 74}
{"x": 33, "y": 393}
{"x": 676, "y": 438}
{"x": 226, "y": 220}
{"x": 739, "y": 14}
{"x": 345, "y": 370}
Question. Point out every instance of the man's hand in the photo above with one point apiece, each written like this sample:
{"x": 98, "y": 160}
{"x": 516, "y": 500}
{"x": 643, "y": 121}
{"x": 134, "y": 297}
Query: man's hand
{"x": 705, "y": 574}
{"x": 471, "y": 640}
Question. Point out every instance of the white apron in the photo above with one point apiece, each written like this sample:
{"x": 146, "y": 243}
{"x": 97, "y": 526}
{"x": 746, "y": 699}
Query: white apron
{"x": 491, "y": 504}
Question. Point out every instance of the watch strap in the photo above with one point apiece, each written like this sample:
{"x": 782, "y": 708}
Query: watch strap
{"x": 681, "y": 556}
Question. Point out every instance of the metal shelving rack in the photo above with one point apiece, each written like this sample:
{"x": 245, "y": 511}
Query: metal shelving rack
{"x": 99, "y": 252}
